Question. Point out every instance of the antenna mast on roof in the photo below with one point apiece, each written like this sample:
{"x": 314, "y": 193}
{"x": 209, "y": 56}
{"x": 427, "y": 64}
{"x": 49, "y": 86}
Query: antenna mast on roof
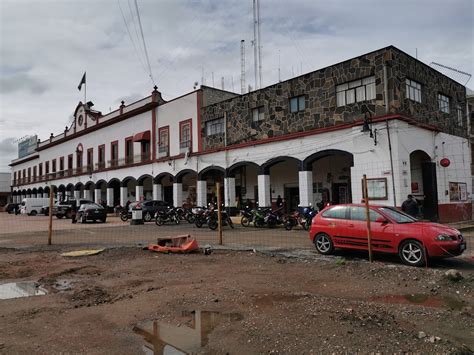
{"x": 255, "y": 43}
{"x": 242, "y": 66}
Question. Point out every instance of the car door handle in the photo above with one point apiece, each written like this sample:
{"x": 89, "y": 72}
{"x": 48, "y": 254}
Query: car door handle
{"x": 351, "y": 225}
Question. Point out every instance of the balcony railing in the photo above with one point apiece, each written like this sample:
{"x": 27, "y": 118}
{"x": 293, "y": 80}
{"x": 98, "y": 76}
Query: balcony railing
{"x": 163, "y": 151}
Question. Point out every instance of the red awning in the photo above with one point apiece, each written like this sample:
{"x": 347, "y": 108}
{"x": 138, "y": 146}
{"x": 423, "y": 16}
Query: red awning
{"x": 142, "y": 137}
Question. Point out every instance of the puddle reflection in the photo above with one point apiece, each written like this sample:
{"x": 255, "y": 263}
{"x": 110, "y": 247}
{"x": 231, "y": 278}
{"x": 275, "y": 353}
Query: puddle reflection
{"x": 164, "y": 338}
{"x": 21, "y": 289}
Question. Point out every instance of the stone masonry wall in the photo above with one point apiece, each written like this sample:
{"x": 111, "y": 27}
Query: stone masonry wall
{"x": 319, "y": 89}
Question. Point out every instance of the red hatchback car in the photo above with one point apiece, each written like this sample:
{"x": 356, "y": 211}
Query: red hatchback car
{"x": 345, "y": 226}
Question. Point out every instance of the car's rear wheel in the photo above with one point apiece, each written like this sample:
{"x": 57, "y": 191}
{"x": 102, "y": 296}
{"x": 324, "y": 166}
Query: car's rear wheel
{"x": 147, "y": 217}
{"x": 83, "y": 219}
{"x": 323, "y": 244}
{"x": 412, "y": 253}
{"x": 33, "y": 213}
{"x": 59, "y": 216}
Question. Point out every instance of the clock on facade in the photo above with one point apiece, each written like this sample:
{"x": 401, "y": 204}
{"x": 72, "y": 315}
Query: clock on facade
{"x": 80, "y": 120}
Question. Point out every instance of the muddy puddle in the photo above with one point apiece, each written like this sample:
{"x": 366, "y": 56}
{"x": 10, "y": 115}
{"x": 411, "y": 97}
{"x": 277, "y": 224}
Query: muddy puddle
{"x": 21, "y": 289}
{"x": 189, "y": 338}
{"x": 422, "y": 300}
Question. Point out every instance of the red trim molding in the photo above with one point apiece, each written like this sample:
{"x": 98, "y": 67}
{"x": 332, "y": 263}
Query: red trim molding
{"x": 123, "y": 116}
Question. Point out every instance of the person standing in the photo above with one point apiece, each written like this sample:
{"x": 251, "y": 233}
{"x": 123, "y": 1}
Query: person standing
{"x": 410, "y": 206}
{"x": 73, "y": 211}
{"x": 279, "y": 202}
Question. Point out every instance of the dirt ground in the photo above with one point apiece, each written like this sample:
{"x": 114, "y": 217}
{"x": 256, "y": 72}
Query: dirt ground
{"x": 271, "y": 303}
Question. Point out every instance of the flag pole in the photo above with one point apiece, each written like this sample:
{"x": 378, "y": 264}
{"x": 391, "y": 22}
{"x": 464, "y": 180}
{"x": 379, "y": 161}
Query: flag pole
{"x": 85, "y": 89}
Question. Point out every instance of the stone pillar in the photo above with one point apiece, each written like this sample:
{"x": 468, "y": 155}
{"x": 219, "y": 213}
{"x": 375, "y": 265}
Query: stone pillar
{"x": 77, "y": 194}
{"x": 177, "y": 194}
{"x": 139, "y": 193}
{"x": 264, "y": 199}
{"x": 201, "y": 193}
{"x": 60, "y": 196}
{"x": 87, "y": 194}
{"x": 306, "y": 188}
{"x": 110, "y": 197}
{"x": 123, "y": 195}
{"x": 157, "y": 192}
{"x": 229, "y": 192}
{"x": 97, "y": 195}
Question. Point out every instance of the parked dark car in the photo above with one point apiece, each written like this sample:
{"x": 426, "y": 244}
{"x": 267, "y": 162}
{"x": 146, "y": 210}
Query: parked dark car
{"x": 12, "y": 207}
{"x": 91, "y": 212}
{"x": 149, "y": 208}
{"x": 64, "y": 207}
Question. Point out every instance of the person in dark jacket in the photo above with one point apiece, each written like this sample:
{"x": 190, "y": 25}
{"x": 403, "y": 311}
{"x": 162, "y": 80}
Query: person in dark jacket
{"x": 410, "y": 206}
{"x": 73, "y": 212}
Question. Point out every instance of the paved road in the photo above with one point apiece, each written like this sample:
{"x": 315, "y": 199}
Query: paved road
{"x": 23, "y": 231}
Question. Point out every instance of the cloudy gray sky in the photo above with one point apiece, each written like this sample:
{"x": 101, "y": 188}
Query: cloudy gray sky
{"x": 45, "y": 47}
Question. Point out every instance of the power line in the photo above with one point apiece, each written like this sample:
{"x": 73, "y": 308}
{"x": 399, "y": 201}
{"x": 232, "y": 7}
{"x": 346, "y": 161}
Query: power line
{"x": 144, "y": 43}
{"x": 131, "y": 38}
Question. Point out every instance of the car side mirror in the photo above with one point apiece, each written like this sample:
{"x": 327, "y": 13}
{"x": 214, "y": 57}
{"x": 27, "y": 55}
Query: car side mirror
{"x": 381, "y": 220}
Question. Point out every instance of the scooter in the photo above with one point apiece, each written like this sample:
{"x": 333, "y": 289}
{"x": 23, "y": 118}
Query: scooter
{"x": 248, "y": 216}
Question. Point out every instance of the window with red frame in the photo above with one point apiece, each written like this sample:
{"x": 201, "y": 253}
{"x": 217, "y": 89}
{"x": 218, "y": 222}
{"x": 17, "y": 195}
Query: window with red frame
{"x": 29, "y": 174}
{"x": 101, "y": 156}
{"x": 129, "y": 150}
{"x": 40, "y": 168}
{"x": 34, "y": 173}
{"x": 163, "y": 141}
{"x": 69, "y": 162}
{"x": 185, "y": 135}
{"x": 90, "y": 159}
{"x": 61, "y": 164}
{"x": 53, "y": 165}
{"x": 114, "y": 153}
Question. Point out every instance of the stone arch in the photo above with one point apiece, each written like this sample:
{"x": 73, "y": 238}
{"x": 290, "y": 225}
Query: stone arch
{"x": 78, "y": 186}
{"x": 308, "y": 161}
{"x": 231, "y": 170}
{"x": 61, "y": 188}
{"x": 142, "y": 178}
{"x": 40, "y": 190}
{"x": 204, "y": 172}
{"x": 90, "y": 184}
{"x": 158, "y": 178}
{"x": 179, "y": 176}
{"x": 126, "y": 180}
{"x": 113, "y": 182}
{"x": 265, "y": 167}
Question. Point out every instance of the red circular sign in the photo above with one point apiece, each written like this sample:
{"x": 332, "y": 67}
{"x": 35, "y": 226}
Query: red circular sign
{"x": 445, "y": 162}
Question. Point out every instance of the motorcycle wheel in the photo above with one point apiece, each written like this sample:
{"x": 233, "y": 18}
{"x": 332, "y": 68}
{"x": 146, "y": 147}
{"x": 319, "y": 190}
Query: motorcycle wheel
{"x": 198, "y": 223}
{"x": 191, "y": 218}
{"x": 245, "y": 221}
{"x": 288, "y": 225}
{"x": 176, "y": 220}
{"x": 158, "y": 221}
{"x": 258, "y": 223}
{"x": 212, "y": 224}
{"x": 124, "y": 217}
{"x": 307, "y": 225}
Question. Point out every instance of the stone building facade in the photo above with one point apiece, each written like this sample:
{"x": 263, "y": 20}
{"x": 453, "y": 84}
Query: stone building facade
{"x": 321, "y": 110}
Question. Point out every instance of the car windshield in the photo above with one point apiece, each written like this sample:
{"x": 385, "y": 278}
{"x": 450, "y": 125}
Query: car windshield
{"x": 397, "y": 216}
{"x": 91, "y": 206}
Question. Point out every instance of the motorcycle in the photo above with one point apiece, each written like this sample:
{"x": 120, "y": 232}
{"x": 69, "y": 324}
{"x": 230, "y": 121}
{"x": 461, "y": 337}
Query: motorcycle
{"x": 308, "y": 214}
{"x": 200, "y": 216}
{"x": 213, "y": 223}
{"x": 170, "y": 215}
{"x": 248, "y": 216}
{"x": 292, "y": 220}
{"x": 259, "y": 217}
{"x": 274, "y": 218}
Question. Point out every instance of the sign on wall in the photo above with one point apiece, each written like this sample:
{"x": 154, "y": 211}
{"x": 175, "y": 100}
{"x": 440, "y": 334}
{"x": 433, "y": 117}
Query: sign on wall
{"x": 457, "y": 191}
{"x": 377, "y": 189}
{"x": 27, "y": 146}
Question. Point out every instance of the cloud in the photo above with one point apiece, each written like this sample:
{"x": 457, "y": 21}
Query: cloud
{"x": 188, "y": 41}
{"x": 9, "y": 150}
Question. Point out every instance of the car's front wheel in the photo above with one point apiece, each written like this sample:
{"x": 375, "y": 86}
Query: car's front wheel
{"x": 412, "y": 253}
{"x": 323, "y": 244}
